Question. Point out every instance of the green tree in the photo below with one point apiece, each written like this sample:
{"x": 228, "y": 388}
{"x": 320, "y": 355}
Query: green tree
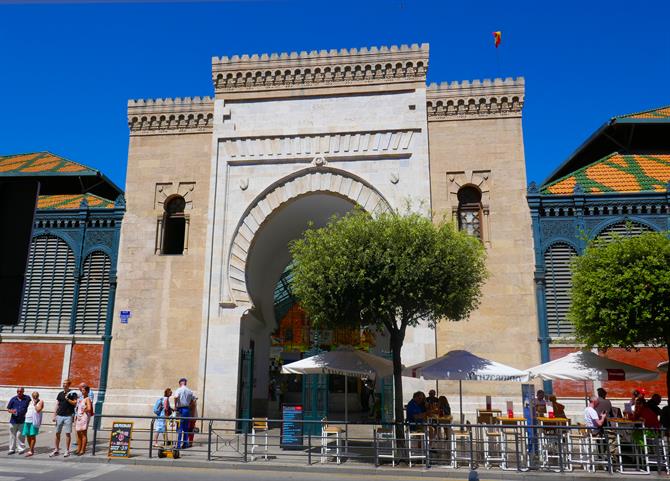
{"x": 387, "y": 272}
{"x": 621, "y": 293}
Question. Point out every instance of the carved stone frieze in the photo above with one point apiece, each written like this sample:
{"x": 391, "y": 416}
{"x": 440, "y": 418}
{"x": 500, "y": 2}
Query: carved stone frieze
{"x": 475, "y": 99}
{"x": 316, "y": 69}
{"x": 164, "y": 190}
{"x": 333, "y": 146}
{"x": 170, "y": 116}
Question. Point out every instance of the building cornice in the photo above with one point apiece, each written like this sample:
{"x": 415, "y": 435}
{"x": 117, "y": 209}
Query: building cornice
{"x": 170, "y": 116}
{"x": 277, "y": 74}
{"x": 477, "y": 99}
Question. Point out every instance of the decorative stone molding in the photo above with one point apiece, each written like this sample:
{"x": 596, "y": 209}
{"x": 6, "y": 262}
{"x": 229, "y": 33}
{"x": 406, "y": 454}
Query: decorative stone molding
{"x": 481, "y": 180}
{"x": 475, "y": 100}
{"x": 168, "y": 189}
{"x": 322, "y": 179}
{"x": 170, "y": 116}
{"x": 305, "y": 148}
{"x": 318, "y": 69}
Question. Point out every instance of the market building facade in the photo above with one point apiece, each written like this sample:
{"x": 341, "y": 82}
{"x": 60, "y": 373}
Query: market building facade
{"x": 616, "y": 182}
{"x": 218, "y": 186}
{"x": 64, "y": 329}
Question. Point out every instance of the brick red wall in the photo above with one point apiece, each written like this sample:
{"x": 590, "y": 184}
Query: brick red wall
{"x": 85, "y": 364}
{"x": 647, "y": 358}
{"x": 31, "y": 364}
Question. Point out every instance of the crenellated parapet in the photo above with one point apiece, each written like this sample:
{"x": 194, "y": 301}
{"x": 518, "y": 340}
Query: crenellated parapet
{"x": 477, "y": 99}
{"x": 170, "y": 116}
{"x": 270, "y": 74}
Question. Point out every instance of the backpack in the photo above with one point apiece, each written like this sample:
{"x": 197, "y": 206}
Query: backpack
{"x": 158, "y": 406}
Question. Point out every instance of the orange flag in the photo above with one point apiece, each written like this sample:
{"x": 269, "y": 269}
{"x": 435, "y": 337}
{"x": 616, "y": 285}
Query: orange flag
{"x": 497, "y": 36}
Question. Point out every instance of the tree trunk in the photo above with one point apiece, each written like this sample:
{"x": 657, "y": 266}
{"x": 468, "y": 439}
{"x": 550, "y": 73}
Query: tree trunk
{"x": 396, "y": 346}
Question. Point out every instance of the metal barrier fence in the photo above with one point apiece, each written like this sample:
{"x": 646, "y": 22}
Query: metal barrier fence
{"x": 629, "y": 448}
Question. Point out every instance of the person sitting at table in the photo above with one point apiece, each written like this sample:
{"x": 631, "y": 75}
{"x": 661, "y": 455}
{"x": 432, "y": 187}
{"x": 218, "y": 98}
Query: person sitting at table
{"x": 443, "y": 407}
{"x": 416, "y": 410}
{"x": 559, "y": 409}
{"x": 643, "y": 413}
{"x": 654, "y": 403}
{"x": 540, "y": 404}
{"x": 593, "y": 420}
{"x": 432, "y": 397}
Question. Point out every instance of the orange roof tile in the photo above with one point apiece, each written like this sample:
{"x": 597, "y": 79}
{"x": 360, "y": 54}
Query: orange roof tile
{"x": 72, "y": 201}
{"x": 616, "y": 173}
{"x": 659, "y": 113}
{"x": 39, "y": 162}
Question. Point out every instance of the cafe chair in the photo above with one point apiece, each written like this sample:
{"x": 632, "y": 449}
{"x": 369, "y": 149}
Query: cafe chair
{"x": 259, "y": 428}
{"x": 579, "y": 451}
{"x": 493, "y": 439}
{"x": 417, "y": 444}
{"x": 385, "y": 444}
{"x": 327, "y": 434}
{"x": 462, "y": 447}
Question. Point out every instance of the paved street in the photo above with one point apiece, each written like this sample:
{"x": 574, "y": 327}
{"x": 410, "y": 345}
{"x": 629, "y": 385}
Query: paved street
{"x": 19, "y": 470}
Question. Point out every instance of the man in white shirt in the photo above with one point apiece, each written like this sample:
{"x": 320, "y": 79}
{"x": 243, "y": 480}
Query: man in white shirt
{"x": 183, "y": 402}
{"x": 592, "y": 419}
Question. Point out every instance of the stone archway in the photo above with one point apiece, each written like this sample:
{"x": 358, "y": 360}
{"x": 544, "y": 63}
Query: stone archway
{"x": 313, "y": 180}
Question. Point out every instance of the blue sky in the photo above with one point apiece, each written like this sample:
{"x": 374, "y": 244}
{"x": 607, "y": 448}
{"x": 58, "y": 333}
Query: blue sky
{"x": 66, "y": 71}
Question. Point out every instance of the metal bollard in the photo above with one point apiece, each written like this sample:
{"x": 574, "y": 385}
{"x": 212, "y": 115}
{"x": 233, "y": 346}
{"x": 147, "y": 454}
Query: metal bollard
{"x": 151, "y": 437}
{"x": 246, "y": 446}
{"x": 309, "y": 449}
{"x": 209, "y": 442}
{"x": 95, "y": 437}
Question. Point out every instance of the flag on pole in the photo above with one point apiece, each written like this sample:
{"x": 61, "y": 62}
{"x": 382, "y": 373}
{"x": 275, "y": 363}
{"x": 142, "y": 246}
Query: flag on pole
{"x": 497, "y": 36}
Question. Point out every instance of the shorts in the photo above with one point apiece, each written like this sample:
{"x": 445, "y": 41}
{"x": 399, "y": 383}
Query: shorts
{"x": 29, "y": 429}
{"x": 64, "y": 423}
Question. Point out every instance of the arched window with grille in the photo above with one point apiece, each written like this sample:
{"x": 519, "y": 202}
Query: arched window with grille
{"x": 93, "y": 294}
{"x": 470, "y": 210}
{"x": 174, "y": 226}
{"x": 49, "y": 289}
{"x": 624, "y": 229}
{"x": 557, "y": 261}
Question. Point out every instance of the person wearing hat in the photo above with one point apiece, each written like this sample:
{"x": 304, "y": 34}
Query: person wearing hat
{"x": 183, "y": 402}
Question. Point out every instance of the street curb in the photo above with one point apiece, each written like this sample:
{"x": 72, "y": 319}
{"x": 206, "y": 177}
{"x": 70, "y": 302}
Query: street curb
{"x": 436, "y": 472}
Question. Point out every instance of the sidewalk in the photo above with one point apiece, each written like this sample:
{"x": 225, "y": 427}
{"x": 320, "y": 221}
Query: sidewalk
{"x": 227, "y": 457}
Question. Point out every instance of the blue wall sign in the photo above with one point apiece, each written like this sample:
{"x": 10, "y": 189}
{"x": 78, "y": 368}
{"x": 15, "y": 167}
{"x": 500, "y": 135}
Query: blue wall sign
{"x": 124, "y": 315}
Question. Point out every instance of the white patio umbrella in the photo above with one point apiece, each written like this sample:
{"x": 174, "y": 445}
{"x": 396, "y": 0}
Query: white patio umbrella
{"x": 589, "y": 366}
{"x": 346, "y": 362}
{"x": 464, "y": 366}
{"x": 663, "y": 366}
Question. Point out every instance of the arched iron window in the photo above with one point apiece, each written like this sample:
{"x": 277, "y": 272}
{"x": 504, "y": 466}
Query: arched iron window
{"x": 470, "y": 210}
{"x": 93, "y": 294}
{"x": 49, "y": 290}
{"x": 174, "y": 226}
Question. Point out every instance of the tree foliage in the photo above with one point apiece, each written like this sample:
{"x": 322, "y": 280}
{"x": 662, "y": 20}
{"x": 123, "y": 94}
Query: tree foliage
{"x": 389, "y": 272}
{"x": 621, "y": 292}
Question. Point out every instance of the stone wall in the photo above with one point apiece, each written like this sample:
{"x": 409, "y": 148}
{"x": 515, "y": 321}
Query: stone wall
{"x": 161, "y": 341}
{"x": 475, "y": 138}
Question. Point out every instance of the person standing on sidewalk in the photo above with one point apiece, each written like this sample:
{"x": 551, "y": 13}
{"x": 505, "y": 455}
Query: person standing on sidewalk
{"x": 183, "y": 400}
{"x": 31, "y": 428}
{"x": 65, "y": 405}
{"x": 17, "y": 407}
{"x": 83, "y": 413}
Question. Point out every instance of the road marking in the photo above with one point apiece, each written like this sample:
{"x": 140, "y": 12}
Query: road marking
{"x": 15, "y": 468}
{"x": 92, "y": 474}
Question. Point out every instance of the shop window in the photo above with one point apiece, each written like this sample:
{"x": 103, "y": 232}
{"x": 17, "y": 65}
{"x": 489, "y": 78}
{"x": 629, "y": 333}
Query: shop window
{"x": 470, "y": 210}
